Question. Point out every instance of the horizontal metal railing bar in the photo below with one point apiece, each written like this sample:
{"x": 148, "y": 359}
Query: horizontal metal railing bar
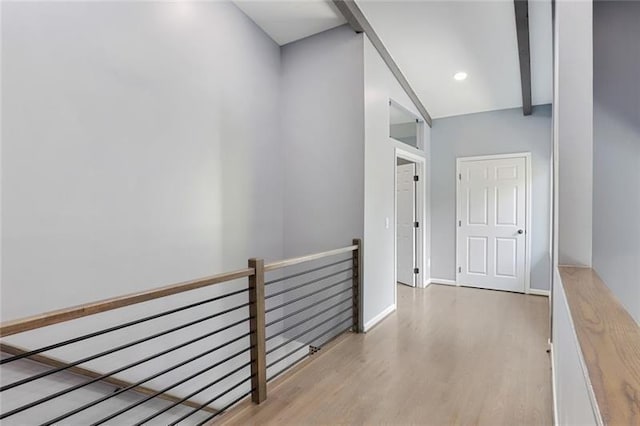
{"x": 271, "y": 364}
{"x": 158, "y": 374}
{"x": 178, "y": 383}
{"x": 273, "y": 376}
{"x": 313, "y": 281}
{"x": 226, "y": 407}
{"x": 118, "y": 370}
{"x": 299, "y": 323}
{"x": 297, "y": 299}
{"x": 275, "y": 348}
{"x": 126, "y": 367}
{"x": 315, "y": 303}
{"x": 288, "y": 367}
{"x": 201, "y": 389}
{"x": 51, "y": 362}
{"x": 49, "y": 318}
{"x": 62, "y": 315}
{"x": 220, "y": 395}
{"x": 308, "y": 271}
{"x": 302, "y": 259}
{"x": 125, "y": 325}
{"x": 121, "y": 347}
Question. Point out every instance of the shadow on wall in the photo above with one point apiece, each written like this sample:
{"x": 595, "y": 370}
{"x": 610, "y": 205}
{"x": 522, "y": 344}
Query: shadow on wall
{"x": 616, "y": 149}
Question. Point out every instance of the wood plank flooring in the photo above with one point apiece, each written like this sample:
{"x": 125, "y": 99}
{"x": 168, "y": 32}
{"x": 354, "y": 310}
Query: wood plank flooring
{"x": 449, "y": 355}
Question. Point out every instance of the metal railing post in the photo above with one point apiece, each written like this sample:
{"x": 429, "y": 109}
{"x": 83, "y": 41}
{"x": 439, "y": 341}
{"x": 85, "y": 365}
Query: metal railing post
{"x": 257, "y": 328}
{"x": 356, "y": 256}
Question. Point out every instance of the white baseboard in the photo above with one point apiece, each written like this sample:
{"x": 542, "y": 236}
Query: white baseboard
{"x": 538, "y": 292}
{"x": 382, "y": 315}
{"x": 442, "y": 281}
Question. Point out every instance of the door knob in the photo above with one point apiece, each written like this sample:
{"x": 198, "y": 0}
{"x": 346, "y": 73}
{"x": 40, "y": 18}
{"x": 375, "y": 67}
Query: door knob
{"x": 520, "y": 231}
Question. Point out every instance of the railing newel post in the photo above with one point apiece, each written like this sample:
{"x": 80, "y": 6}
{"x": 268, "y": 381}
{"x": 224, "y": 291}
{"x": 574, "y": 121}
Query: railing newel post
{"x": 257, "y": 328}
{"x": 356, "y": 256}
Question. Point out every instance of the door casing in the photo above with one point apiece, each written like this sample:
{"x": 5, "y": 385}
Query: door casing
{"x": 405, "y": 271}
{"x": 527, "y": 235}
{"x": 420, "y": 216}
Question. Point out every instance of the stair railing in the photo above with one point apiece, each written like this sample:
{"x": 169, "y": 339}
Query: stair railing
{"x": 244, "y": 328}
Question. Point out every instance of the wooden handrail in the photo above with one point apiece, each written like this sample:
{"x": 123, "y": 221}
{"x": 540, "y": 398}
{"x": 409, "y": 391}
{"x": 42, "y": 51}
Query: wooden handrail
{"x": 296, "y": 260}
{"x": 91, "y": 374}
{"x": 256, "y": 301}
{"x": 61, "y": 315}
{"x": 609, "y": 339}
{"x": 20, "y": 325}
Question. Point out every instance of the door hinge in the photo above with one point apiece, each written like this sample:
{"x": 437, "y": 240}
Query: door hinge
{"x": 459, "y": 223}
{"x": 459, "y": 176}
{"x": 416, "y": 270}
{"x": 459, "y": 268}
{"x": 416, "y": 224}
{"x": 416, "y": 178}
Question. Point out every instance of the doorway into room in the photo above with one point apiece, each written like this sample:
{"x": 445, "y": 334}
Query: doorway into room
{"x": 409, "y": 218}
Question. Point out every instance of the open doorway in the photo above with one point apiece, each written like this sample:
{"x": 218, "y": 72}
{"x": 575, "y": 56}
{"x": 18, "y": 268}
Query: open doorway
{"x": 406, "y": 260}
{"x": 409, "y": 218}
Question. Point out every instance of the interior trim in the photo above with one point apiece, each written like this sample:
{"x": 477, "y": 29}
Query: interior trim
{"x": 356, "y": 19}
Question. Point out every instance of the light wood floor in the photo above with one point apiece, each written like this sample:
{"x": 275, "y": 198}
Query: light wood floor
{"x": 449, "y": 355}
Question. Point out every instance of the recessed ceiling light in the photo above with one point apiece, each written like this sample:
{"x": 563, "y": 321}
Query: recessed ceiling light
{"x": 460, "y": 76}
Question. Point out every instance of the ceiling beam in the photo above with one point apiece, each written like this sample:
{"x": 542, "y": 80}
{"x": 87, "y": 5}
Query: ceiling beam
{"x": 360, "y": 24}
{"x": 524, "y": 53}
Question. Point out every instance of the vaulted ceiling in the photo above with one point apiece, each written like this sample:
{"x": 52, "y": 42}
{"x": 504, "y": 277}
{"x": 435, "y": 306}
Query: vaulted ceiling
{"x": 288, "y": 21}
{"x": 432, "y": 40}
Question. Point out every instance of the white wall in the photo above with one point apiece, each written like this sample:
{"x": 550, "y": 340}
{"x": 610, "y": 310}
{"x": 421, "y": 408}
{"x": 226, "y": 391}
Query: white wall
{"x": 573, "y": 186}
{"x": 573, "y": 118}
{"x": 379, "y": 162}
{"x": 149, "y": 152}
{"x": 574, "y": 401}
{"x": 495, "y": 132}
{"x": 616, "y": 175}
{"x": 327, "y": 127}
{"x": 133, "y": 155}
{"x": 140, "y": 146}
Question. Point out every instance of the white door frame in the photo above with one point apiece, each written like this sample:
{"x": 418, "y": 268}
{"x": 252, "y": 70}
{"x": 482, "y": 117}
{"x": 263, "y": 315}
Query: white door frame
{"x": 420, "y": 216}
{"x": 527, "y": 234}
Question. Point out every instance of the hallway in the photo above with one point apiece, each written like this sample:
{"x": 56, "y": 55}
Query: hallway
{"x": 449, "y": 355}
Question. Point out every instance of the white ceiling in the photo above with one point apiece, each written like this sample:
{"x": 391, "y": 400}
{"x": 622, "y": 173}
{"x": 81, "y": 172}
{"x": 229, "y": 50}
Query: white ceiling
{"x": 431, "y": 41}
{"x": 291, "y": 20}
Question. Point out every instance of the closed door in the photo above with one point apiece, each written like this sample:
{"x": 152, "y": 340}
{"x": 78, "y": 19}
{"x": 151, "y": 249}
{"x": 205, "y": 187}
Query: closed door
{"x": 405, "y": 220}
{"x": 492, "y": 210}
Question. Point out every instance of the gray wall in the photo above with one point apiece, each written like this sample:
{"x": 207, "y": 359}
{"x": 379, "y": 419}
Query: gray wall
{"x": 140, "y": 147}
{"x": 572, "y": 390}
{"x": 379, "y": 209}
{"x": 495, "y": 132}
{"x": 322, "y": 118}
{"x": 616, "y": 166}
{"x": 132, "y": 155}
{"x": 406, "y": 133}
{"x": 573, "y": 131}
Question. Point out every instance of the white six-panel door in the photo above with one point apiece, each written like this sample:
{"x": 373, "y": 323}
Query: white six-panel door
{"x": 492, "y": 219}
{"x": 406, "y": 216}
